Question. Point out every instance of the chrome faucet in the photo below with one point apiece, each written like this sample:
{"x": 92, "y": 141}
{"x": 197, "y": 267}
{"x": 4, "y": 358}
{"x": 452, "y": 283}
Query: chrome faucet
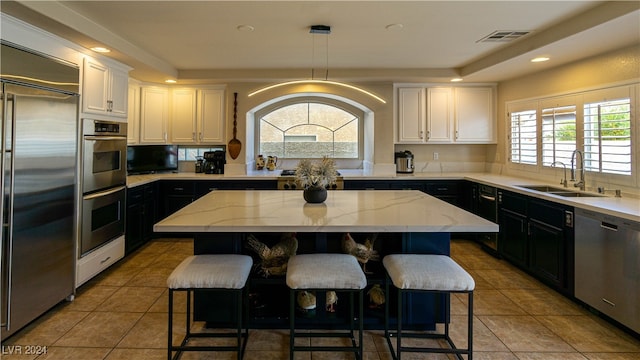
{"x": 581, "y": 183}
{"x": 564, "y": 181}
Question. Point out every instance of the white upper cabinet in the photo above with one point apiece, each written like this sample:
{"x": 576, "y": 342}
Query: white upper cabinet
{"x": 439, "y": 115}
{"x": 411, "y": 115}
{"x": 475, "y": 120}
{"x": 183, "y": 116}
{"x": 445, "y": 115}
{"x": 154, "y": 115}
{"x": 133, "y": 114}
{"x": 104, "y": 89}
{"x": 197, "y": 116}
{"x": 211, "y": 116}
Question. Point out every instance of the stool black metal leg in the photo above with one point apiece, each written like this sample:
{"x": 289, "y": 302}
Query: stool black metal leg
{"x": 386, "y": 307}
{"x": 292, "y": 323}
{"x": 170, "y": 316}
{"x": 399, "y": 328}
{"x": 470, "y": 329}
{"x": 361, "y": 322}
{"x": 239, "y": 325}
{"x": 447, "y": 316}
{"x": 188, "y": 314}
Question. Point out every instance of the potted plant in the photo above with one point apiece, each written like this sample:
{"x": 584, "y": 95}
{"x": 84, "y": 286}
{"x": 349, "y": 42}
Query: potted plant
{"x": 315, "y": 177}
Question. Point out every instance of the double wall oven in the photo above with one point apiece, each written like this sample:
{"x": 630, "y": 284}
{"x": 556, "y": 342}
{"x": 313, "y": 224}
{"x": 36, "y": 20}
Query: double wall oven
{"x": 104, "y": 176}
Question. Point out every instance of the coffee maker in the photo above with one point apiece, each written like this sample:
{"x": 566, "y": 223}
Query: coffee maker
{"x": 214, "y": 162}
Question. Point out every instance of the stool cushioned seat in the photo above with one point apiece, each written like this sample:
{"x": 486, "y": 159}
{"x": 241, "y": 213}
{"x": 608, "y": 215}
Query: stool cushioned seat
{"x": 220, "y": 275}
{"x": 432, "y": 275}
{"x": 427, "y": 272}
{"x": 325, "y": 271}
{"x": 211, "y": 272}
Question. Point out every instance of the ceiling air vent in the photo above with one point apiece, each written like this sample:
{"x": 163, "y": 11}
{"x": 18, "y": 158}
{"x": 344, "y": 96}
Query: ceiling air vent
{"x": 503, "y": 36}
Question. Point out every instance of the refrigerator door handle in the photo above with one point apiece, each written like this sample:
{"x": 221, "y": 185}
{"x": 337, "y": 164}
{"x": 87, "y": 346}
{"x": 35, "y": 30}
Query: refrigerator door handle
{"x": 8, "y": 103}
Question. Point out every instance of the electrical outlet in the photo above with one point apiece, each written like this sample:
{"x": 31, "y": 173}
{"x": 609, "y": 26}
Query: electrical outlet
{"x": 436, "y": 156}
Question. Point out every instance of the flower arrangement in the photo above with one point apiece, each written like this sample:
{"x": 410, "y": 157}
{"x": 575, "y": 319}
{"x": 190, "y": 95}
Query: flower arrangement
{"x": 320, "y": 173}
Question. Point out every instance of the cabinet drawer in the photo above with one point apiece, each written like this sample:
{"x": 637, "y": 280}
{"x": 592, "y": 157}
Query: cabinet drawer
{"x": 135, "y": 195}
{"x": 178, "y": 188}
{"x": 443, "y": 188}
{"x": 513, "y": 202}
{"x": 99, "y": 260}
{"x": 548, "y": 213}
{"x": 149, "y": 191}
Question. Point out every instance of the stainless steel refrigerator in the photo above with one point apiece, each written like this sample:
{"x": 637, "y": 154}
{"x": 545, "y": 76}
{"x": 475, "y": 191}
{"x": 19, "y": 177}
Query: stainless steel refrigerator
{"x": 39, "y": 146}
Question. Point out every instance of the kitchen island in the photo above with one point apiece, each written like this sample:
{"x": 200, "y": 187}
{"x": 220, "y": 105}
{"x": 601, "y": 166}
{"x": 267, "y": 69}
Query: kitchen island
{"x": 403, "y": 221}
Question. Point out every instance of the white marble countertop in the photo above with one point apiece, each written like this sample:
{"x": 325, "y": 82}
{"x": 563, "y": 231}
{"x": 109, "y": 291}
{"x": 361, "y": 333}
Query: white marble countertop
{"x": 343, "y": 211}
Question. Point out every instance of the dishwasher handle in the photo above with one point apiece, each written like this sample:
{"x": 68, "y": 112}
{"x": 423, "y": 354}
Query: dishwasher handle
{"x": 608, "y": 226}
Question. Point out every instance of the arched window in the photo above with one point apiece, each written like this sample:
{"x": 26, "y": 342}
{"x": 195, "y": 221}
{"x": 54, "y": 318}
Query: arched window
{"x": 310, "y": 127}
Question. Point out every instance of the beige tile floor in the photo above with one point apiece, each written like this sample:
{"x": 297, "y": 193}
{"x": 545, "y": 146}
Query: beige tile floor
{"x": 121, "y": 314}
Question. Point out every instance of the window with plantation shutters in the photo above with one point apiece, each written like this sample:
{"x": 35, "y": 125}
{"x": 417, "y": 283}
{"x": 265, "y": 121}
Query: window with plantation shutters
{"x": 607, "y": 136}
{"x": 524, "y": 137}
{"x": 558, "y": 134}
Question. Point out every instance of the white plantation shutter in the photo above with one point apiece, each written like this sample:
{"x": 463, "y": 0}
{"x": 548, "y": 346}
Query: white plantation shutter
{"x": 558, "y": 134}
{"x": 524, "y": 137}
{"x": 607, "y": 136}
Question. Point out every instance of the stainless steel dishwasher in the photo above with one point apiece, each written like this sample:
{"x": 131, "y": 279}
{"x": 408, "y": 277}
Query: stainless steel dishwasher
{"x": 607, "y": 265}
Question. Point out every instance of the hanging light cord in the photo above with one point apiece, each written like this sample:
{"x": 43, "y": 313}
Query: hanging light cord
{"x": 313, "y": 58}
{"x": 326, "y": 74}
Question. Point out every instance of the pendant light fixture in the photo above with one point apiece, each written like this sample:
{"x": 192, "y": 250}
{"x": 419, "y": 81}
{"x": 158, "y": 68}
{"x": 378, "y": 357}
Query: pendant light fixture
{"x": 323, "y": 30}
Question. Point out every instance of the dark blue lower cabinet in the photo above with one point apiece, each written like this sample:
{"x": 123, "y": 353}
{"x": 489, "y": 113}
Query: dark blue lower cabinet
{"x": 268, "y": 303}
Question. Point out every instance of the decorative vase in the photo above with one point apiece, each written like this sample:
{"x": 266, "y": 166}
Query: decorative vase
{"x": 315, "y": 194}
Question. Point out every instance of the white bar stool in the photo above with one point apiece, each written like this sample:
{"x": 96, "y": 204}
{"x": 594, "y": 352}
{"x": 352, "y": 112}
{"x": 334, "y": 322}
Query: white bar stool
{"x": 220, "y": 273}
{"x": 322, "y": 272}
{"x": 427, "y": 273}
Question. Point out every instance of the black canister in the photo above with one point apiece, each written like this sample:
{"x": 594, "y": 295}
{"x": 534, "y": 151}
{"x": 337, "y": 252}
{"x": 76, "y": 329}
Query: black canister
{"x": 199, "y": 164}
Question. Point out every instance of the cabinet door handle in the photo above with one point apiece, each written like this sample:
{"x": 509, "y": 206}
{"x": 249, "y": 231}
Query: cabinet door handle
{"x": 178, "y": 189}
{"x": 105, "y": 260}
{"x": 490, "y": 198}
{"x": 200, "y": 135}
{"x": 193, "y": 136}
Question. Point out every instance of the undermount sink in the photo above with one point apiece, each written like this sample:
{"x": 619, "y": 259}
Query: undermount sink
{"x": 573, "y": 194}
{"x": 543, "y": 188}
{"x": 557, "y": 191}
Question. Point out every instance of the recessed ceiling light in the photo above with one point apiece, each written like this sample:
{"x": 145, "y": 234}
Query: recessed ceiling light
{"x": 456, "y": 79}
{"x": 170, "y": 81}
{"x": 100, "y": 49}
{"x": 394, "y": 27}
{"x": 540, "y": 59}
{"x": 245, "y": 28}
